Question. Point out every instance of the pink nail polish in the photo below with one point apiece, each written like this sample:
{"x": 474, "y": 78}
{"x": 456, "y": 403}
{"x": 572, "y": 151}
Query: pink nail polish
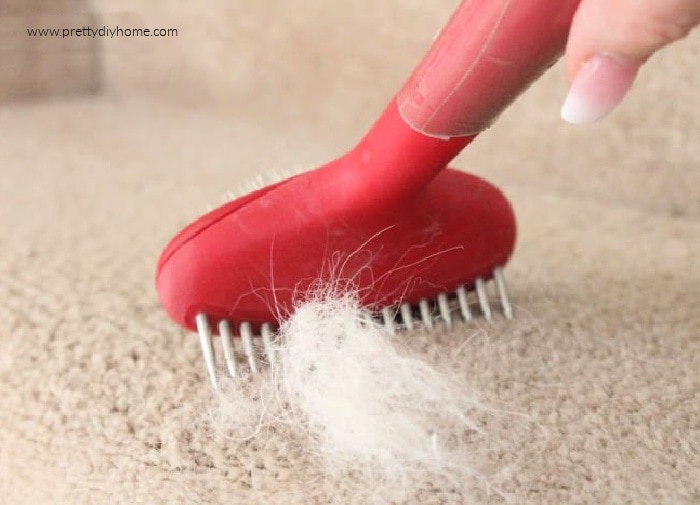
{"x": 599, "y": 86}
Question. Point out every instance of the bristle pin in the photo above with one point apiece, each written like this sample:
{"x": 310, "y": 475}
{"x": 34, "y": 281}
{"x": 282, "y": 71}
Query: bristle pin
{"x": 404, "y": 318}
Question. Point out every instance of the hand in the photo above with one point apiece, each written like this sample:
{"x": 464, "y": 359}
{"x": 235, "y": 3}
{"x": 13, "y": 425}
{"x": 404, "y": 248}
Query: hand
{"x": 609, "y": 41}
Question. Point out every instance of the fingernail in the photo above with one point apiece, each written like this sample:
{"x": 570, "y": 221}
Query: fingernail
{"x": 599, "y": 86}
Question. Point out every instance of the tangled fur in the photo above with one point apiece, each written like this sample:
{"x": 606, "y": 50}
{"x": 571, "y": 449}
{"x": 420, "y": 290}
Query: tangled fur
{"x": 362, "y": 402}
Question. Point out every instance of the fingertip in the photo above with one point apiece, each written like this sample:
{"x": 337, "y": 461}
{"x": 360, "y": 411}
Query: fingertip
{"x": 599, "y": 86}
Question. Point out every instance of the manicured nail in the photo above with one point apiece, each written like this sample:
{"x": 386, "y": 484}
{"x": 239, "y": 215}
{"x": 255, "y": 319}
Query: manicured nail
{"x": 599, "y": 86}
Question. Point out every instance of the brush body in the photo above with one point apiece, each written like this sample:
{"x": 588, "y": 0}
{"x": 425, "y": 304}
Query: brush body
{"x": 253, "y": 258}
{"x": 387, "y": 220}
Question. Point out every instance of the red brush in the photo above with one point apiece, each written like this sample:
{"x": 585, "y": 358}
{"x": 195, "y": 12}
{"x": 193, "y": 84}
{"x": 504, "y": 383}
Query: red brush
{"x": 388, "y": 220}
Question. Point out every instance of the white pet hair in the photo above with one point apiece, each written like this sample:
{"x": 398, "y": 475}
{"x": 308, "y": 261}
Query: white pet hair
{"x": 363, "y": 403}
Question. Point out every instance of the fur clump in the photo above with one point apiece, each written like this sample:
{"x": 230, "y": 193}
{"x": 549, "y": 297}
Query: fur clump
{"x": 363, "y": 403}
{"x": 367, "y": 404}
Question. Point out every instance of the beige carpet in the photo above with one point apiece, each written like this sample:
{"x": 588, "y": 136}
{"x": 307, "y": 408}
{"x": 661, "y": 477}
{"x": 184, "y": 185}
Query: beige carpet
{"x": 103, "y": 400}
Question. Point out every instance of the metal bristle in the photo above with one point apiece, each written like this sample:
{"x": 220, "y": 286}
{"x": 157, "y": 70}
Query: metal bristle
{"x": 464, "y": 303}
{"x": 406, "y": 317}
{"x": 388, "y": 316}
{"x": 502, "y": 289}
{"x": 246, "y": 331}
{"x": 207, "y": 347}
{"x": 444, "y": 306}
{"x": 425, "y": 313}
{"x": 266, "y": 334}
{"x": 227, "y": 345}
{"x": 480, "y": 287}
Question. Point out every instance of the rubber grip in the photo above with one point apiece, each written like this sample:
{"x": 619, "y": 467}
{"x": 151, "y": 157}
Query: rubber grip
{"x": 489, "y": 52}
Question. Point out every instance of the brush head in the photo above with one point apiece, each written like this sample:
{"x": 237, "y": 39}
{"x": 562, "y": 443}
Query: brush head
{"x": 252, "y": 259}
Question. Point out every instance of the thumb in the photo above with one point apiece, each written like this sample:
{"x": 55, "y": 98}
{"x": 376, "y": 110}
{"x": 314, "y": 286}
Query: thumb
{"x": 608, "y": 42}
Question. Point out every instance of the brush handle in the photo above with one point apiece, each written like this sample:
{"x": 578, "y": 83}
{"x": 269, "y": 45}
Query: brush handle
{"x": 489, "y": 52}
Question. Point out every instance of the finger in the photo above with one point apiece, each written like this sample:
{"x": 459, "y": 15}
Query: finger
{"x": 630, "y": 29}
{"x": 609, "y": 41}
